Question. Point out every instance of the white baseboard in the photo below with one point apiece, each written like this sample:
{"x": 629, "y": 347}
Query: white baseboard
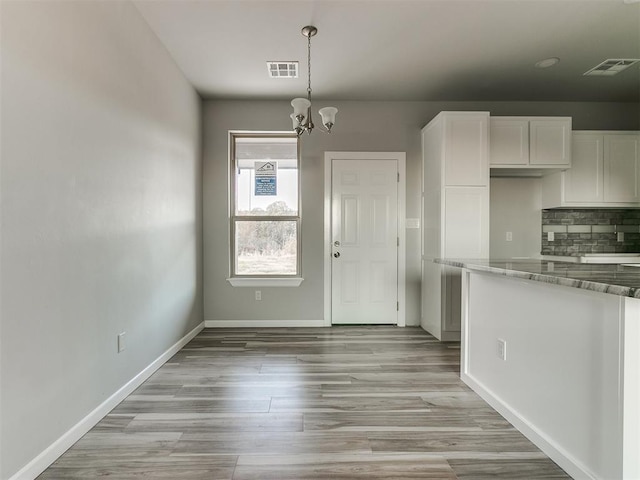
{"x": 556, "y": 453}
{"x": 39, "y": 464}
{"x": 263, "y": 323}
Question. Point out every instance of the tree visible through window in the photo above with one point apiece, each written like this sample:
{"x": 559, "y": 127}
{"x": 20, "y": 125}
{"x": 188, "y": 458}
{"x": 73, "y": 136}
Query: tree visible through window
{"x": 265, "y": 219}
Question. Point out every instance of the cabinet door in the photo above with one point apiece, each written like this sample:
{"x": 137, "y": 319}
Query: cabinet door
{"x": 508, "y": 141}
{"x": 621, "y": 168}
{"x": 466, "y": 149}
{"x": 466, "y": 222}
{"x": 550, "y": 142}
{"x": 451, "y": 313}
{"x": 583, "y": 181}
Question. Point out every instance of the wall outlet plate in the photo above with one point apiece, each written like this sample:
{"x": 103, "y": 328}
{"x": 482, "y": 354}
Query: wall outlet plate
{"x": 551, "y": 236}
{"x": 258, "y": 295}
{"x": 121, "y": 341}
{"x": 502, "y": 349}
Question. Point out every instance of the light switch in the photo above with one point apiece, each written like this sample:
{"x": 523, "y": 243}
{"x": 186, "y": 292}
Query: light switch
{"x": 412, "y": 223}
{"x": 121, "y": 342}
{"x": 509, "y": 236}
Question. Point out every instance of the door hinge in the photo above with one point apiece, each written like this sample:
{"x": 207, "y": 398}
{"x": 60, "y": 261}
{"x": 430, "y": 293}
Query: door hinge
{"x": 398, "y": 177}
{"x": 398, "y": 243}
{"x": 397, "y": 306}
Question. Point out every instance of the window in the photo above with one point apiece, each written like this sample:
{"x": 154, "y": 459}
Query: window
{"x": 264, "y": 209}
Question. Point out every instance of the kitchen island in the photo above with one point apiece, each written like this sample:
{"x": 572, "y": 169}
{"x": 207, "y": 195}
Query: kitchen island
{"x": 555, "y": 348}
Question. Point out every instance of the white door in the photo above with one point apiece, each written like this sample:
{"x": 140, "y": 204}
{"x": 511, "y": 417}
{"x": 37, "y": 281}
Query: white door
{"x": 364, "y": 238}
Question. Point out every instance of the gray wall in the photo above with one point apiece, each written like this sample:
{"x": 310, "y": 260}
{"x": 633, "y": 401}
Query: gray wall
{"x": 366, "y": 126}
{"x": 515, "y": 207}
{"x": 101, "y": 230}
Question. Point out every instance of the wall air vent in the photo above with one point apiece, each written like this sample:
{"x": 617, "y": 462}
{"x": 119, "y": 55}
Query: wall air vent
{"x": 282, "y": 69}
{"x": 612, "y": 66}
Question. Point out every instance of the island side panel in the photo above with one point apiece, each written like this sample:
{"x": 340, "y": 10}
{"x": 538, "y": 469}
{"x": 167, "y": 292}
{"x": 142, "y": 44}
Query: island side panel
{"x": 560, "y": 380}
{"x": 631, "y": 389}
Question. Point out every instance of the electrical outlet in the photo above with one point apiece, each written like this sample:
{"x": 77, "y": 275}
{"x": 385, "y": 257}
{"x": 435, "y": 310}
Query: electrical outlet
{"x": 502, "y": 349}
{"x": 121, "y": 342}
{"x": 258, "y": 295}
{"x": 509, "y": 236}
{"x": 621, "y": 236}
{"x": 550, "y": 236}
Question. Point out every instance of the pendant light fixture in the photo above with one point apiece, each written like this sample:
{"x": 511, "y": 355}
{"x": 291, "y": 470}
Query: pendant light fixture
{"x": 301, "y": 115}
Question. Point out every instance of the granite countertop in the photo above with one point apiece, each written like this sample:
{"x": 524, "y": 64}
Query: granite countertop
{"x": 605, "y": 278}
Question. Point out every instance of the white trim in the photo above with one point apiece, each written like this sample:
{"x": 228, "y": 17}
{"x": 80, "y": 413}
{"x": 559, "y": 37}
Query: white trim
{"x": 263, "y": 323}
{"x": 551, "y": 448}
{"x": 40, "y": 463}
{"x": 400, "y": 157}
{"x": 327, "y": 239}
{"x": 630, "y": 381}
{"x": 402, "y": 235}
{"x": 265, "y": 282}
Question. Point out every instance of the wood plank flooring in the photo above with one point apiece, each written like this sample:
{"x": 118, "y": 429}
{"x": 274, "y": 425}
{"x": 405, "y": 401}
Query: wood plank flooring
{"x": 334, "y": 403}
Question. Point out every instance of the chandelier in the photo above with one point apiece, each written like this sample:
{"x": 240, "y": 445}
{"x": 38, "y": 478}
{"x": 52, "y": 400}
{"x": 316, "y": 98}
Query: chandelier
{"x": 301, "y": 115}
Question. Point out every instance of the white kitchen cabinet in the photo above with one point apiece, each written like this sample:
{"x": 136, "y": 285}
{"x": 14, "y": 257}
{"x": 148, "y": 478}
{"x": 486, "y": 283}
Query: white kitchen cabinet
{"x": 465, "y": 222}
{"x": 455, "y": 156}
{"x": 621, "y": 168}
{"x": 509, "y": 141}
{"x": 466, "y": 159}
{"x": 583, "y": 182}
{"x": 530, "y": 142}
{"x": 605, "y": 172}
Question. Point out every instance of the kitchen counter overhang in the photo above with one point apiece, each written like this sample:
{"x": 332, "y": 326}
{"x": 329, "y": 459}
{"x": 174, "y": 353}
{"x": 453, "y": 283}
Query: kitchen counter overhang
{"x": 614, "y": 258}
{"x": 622, "y": 280}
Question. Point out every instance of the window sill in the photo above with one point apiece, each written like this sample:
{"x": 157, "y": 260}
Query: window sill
{"x": 265, "y": 282}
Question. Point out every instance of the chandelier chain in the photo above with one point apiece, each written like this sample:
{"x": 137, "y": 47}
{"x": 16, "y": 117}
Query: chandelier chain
{"x": 309, "y": 66}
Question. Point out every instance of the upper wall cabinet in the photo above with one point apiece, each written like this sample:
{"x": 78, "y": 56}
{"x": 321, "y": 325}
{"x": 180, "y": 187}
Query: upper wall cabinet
{"x": 530, "y": 142}
{"x": 466, "y": 160}
{"x": 621, "y": 168}
{"x": 605, "y": 172}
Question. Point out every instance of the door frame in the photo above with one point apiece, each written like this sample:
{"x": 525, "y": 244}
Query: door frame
{"x": 400, "y": 158}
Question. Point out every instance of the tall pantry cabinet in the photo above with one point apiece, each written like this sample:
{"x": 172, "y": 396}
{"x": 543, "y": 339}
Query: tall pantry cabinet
{"x": 455, "y": 210}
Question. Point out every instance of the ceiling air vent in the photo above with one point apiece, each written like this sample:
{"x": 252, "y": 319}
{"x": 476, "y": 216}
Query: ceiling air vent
{"x": 283, "y": 69}
{"x": 612, "y": 66}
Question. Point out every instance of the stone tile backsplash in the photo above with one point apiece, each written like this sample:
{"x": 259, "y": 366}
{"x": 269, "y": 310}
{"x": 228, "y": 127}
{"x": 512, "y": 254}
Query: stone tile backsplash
{"x": 580, "y": 231}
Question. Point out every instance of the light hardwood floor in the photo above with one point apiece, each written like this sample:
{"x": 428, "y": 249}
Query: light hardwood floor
{"x": 335, "y": 403}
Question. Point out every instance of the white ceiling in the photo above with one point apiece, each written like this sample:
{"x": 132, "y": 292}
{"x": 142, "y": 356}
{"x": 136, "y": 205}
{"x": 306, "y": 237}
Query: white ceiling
{"x": 403, "y": 49}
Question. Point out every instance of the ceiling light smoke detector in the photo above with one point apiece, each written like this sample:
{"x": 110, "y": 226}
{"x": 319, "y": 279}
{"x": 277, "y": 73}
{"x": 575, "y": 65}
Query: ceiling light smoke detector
{"x": 611, "y": 66}
{"x": 547, "y": 62}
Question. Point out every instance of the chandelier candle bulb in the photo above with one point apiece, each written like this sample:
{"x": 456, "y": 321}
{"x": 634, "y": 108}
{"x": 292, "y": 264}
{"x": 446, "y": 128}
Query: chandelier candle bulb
{"x": 328, "y": 115}
{"x": 300, "y": 107}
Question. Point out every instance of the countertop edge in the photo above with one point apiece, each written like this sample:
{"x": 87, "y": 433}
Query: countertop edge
{"x": 593, "y": 286}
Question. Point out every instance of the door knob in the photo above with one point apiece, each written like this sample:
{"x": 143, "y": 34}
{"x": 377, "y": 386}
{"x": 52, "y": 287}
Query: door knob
{"x": 337, "y": 254}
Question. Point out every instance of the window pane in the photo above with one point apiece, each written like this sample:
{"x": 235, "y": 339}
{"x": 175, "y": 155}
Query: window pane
{"x": 266, "y": 176}
{"x": 266, "y": 248}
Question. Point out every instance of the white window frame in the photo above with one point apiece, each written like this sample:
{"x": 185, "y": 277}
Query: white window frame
{"x": 260, "y": 280}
